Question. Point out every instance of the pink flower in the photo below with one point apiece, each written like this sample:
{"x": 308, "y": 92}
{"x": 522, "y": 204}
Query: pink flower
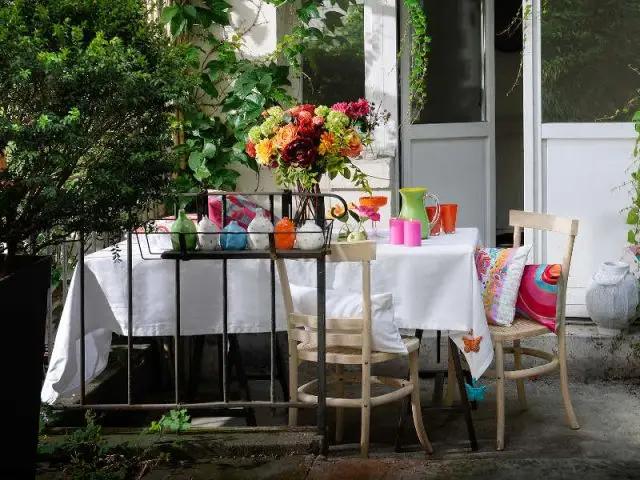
{"x": 340, "y": 107}
{"x": 317, "y": 121}
{"x": 353, "y": 110}
{"x": 368, "y": 212}
{"x": 358, "y": 109}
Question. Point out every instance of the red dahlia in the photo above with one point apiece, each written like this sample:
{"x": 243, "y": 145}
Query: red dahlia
{"x": 300, "y": 152}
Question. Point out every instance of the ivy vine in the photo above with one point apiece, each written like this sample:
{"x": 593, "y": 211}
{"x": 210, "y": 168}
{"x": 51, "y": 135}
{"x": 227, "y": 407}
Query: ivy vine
{"x": 420, "y": 49}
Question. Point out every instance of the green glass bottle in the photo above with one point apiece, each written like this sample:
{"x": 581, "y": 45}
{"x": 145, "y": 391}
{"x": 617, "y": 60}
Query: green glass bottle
{"x": 184, "y": 224}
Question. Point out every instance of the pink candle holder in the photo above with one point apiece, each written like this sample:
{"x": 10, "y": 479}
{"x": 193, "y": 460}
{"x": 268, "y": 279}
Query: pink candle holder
{"x": 396, "y": 231}
{"x": 412, "y": 233}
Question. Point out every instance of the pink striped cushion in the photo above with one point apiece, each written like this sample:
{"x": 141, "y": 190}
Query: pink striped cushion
{"x": 538, "y": 294}
{"x": 239, "y": 208}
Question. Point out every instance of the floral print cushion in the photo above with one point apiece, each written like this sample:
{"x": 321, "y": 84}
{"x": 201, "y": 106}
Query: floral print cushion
{"x": 500, "y": 271}
{"x": 538, "y": 294}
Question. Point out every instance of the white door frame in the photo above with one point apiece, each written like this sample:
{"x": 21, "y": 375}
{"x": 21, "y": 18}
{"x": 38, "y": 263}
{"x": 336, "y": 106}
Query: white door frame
{"x": 532, "y": 119}
{"x": 484, "y": 129}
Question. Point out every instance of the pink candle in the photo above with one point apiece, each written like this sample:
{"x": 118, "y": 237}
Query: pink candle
{"x": 412, "y": 233}
{"x": 396, "y": 231}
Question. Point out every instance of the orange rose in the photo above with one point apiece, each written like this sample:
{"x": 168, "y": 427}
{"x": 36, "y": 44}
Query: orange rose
{"x": 354, "y": 145}
{"x": 337, "y": 212}
{"x": 327, "y": 143}
{"x": 264, "y": 150}
{"x": 285, "y": 135}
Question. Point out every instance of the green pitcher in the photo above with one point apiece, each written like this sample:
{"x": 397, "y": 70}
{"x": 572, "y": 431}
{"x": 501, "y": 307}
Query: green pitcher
{"x": 413, "y": 207}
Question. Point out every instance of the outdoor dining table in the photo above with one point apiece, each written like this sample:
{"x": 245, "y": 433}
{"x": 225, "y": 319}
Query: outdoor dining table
{"x": 434, "y": 287}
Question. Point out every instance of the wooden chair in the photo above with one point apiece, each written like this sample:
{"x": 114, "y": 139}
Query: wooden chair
{"x": 348, "y": 342}
{"x": 523, "y": 328}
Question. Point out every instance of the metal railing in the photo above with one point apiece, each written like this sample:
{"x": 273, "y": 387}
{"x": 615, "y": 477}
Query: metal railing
{"x": 79, "y": 248}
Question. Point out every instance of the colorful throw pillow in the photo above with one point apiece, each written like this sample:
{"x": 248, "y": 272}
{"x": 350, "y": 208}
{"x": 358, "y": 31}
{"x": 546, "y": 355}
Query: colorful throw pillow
{"x": 239, "y": 208}
{"x": 500, "y": 271}
{"x": 538, "y": 294}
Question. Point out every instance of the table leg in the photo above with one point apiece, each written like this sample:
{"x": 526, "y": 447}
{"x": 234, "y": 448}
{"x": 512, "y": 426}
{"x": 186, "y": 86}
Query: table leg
{"x": 236, "y": 361}
{"x": 466, "y": 408}
{"x": 281, "y": 371}
{"x": 195, "y": 369}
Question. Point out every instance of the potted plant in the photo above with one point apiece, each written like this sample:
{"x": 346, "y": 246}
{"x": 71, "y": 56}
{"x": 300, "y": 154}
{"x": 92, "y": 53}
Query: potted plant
{"x": 86, "y": 96}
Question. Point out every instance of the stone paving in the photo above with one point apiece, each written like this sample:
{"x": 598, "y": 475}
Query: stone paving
{"x": 538, "y": 444}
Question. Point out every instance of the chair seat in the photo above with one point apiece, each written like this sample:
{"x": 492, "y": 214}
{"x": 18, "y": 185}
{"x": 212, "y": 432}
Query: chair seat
{"x": 520, "y": 328}
{"x": 352, "y": 356}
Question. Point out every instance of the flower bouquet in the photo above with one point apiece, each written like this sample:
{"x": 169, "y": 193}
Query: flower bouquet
{"x": 305, "y": 142}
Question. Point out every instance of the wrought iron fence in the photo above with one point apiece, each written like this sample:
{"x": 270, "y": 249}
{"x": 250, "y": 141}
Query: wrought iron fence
{"x": 77, "y": 248}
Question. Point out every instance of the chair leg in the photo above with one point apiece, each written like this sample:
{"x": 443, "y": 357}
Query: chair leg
{"x": 365, "y": 409}
{"x": 340, "y": 410}
{"x": 517, "y": 357}
{"x": 570, "y": 416}
{"x": 414, "y": 376}
{"x": 499, "y": 354}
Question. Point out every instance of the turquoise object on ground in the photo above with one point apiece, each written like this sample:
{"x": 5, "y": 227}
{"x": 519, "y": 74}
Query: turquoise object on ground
{"x": 475, "y": 394}
{"x": 233, "y": 237}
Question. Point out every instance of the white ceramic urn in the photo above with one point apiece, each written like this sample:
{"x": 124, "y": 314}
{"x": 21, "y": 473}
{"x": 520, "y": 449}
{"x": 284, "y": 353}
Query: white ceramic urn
{"x": 258, "y": 230}
{"x": 612, "y": 297}
{"x": 309, "y": 236}
{"x": 207, "y": 234}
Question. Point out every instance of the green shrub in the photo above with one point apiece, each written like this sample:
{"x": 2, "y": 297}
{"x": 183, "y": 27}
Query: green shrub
{"x": 87, "y": 94}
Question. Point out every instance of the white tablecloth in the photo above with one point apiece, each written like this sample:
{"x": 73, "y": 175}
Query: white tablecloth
{"x": 434, "y": 287}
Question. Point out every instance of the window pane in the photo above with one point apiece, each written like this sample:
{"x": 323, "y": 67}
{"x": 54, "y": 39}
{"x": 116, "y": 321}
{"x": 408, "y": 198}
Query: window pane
{"x": 455, "y": 73}
{"x": 334, "y": 67}
{"x": 588, "y": 48}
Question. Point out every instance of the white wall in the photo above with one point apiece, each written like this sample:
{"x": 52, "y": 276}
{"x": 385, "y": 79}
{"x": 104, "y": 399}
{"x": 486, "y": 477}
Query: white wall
{"x": 584, "y": 168}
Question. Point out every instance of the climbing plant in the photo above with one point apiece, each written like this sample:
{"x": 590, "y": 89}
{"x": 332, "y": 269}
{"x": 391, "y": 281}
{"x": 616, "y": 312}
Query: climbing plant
{"x": 420, "y": 48}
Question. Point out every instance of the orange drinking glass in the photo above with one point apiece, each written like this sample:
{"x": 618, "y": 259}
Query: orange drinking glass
{"x": 435, "y": 227}
{"x": 448, "y": 214}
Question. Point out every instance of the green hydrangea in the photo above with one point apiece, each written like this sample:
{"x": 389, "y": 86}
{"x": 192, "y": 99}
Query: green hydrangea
{"x": 276, "y": 112}
{"x": 336, "y": 121}
{"x": 322, "y": 111}
{"x": 255, "y": 134}
{"x": 268, "y": 125}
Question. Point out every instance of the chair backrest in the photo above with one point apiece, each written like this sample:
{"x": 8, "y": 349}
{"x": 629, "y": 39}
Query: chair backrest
{"x": 551, "y": 223}
{"x": 352, "y": 332}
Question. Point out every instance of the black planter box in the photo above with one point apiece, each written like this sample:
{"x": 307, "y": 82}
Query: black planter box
{"x": 24, "y": 286}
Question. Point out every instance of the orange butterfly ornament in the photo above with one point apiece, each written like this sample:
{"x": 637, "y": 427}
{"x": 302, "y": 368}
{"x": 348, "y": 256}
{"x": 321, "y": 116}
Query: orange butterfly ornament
{"x": 471, "y": 344}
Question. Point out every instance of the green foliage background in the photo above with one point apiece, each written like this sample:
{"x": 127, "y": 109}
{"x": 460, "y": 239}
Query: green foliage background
{"x": 589, "y": 49}
{"x": 86, "y": 94}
